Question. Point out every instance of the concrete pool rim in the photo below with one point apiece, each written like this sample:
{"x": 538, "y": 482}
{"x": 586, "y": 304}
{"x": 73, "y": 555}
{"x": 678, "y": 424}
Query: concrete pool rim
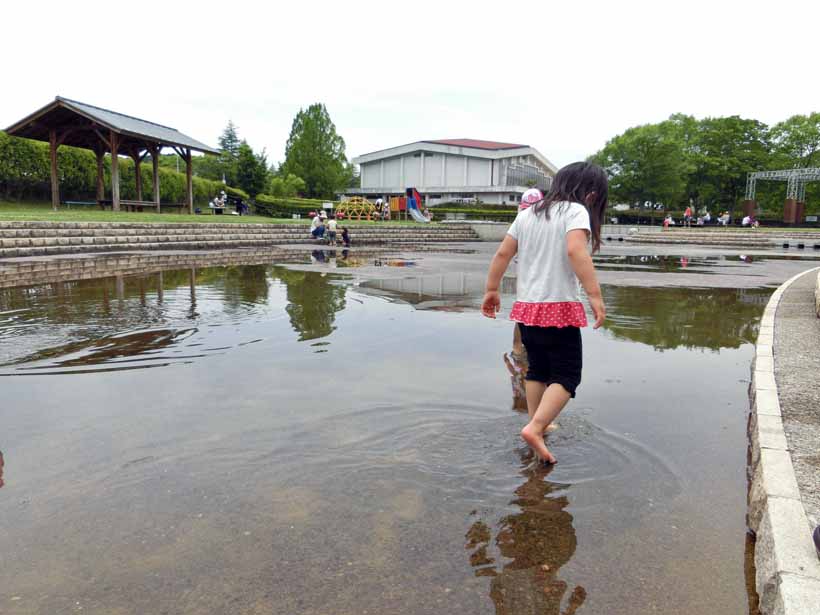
{"x": 787, "y": 575}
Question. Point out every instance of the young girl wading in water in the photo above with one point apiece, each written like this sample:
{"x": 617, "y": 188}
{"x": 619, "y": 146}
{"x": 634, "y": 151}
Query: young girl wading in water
{"x": 551, "y": 239}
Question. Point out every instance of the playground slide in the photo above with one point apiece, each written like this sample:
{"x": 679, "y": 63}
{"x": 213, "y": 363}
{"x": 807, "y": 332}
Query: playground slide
{"x": 417, "y": 215}
{"x": 413, "y": 203}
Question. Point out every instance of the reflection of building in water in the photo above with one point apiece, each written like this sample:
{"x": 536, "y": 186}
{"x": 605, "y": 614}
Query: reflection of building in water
{"x": 535, "y": 542}
{"x": 423, "y": 291}
{"x": 752, "y": 296}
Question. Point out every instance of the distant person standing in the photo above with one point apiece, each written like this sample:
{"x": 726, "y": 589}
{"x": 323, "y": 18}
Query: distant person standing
{"x": 346, "y": 236}
{"x": 331, "y": 231}
{"x": 687, "y": 217}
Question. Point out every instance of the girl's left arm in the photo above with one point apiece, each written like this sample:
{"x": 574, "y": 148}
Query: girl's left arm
{"x": 492, "y": 299}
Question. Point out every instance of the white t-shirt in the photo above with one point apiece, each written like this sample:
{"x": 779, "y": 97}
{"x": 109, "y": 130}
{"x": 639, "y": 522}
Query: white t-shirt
{"x": 331, "y": 225}
{"x": 317, "y": 221}
{"x": 544, "y": 271}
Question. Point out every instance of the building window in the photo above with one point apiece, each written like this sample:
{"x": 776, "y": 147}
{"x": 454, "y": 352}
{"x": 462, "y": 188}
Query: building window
{"x": 512, "y": 197}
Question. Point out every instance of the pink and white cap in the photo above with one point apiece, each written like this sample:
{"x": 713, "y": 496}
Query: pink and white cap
{"x": 530, "y": 198}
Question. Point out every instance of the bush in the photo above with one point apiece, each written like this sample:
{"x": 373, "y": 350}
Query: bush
{"x": 277, "y": 207}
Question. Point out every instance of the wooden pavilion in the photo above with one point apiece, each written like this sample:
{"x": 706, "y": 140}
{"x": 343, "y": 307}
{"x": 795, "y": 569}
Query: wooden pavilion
{"x": 68, "y": 122}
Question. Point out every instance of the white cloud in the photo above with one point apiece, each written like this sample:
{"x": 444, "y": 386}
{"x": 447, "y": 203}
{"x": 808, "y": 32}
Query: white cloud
{"x": 563, "y": 77}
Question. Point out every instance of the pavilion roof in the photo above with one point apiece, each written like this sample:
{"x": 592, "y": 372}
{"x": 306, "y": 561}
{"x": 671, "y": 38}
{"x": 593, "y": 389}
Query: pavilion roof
{"x": 64, "y": 113}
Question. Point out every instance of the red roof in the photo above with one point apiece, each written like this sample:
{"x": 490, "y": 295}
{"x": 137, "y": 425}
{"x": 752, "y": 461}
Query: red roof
{"x": 477, "y": 144}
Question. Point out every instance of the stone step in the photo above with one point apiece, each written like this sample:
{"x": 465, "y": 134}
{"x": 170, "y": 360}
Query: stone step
{"x": 189, "y": 225}
{"x": 68, "y": 233}
{"x": 41, "y": 238}
{"x": 82, "y": 245}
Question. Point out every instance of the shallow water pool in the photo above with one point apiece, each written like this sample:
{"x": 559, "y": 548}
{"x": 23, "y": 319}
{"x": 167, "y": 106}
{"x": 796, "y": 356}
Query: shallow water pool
{"x": 300, "y": 439}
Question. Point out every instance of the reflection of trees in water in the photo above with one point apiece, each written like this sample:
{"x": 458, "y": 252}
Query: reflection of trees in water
{"x": 313, "y": 301}
{"x": 672, "y": 317}
{"x": 245, "y": 284}
{"x": 536, "y": 541}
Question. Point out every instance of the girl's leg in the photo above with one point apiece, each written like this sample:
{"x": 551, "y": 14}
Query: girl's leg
{"x": 535, "y": 391}
{"x": 552, "y": 402}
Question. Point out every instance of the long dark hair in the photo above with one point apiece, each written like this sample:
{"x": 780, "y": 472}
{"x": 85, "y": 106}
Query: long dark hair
{"x": 580, "y": 182}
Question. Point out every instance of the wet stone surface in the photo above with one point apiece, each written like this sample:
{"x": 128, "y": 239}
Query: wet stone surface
{"x": 335, "y": 433}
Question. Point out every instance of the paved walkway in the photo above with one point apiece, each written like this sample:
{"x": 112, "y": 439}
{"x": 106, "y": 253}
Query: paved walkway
{"x": 784, "y": 430}
{"x": 797, "y": 370}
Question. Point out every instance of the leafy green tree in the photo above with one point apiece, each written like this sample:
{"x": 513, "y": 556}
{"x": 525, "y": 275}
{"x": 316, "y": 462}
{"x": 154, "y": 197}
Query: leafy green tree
{"x": 251, "y": 170}
{"x": 796, "y": 141}
{"x": 290, "y": 185}
{"x": 229, "y": 141}
{"x": 316, "y": 153}
{"x": 726, "y": 149}
{"x": 646, "y": 163}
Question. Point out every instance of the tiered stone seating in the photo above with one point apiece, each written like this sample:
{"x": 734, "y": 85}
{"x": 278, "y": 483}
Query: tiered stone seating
{"x": 745, "y": 238}
{"x": 44, "y": 238}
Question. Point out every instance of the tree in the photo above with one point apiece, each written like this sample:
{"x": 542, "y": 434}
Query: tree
{"x": 726, "y": 149}
{"x": 646, "y": 163}
{"x": 796, "y": 141}
{"x": 229, "y": 141}
{"x": 290, "y": 185}
{"x": 251, "y": 170}
{"x": 316, "y": 153}
{"x": 225, "y": 166}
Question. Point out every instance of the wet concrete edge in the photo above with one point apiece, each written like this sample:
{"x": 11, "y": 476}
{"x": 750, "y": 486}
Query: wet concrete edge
{"x": 787, "y": 565}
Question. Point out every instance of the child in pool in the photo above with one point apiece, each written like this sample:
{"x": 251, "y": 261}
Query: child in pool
{"x": 550, "y": 239}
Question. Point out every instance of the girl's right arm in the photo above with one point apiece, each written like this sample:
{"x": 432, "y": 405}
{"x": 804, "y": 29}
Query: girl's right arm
{"x": 492, "y": 299}
{"x": 581, "y": 261}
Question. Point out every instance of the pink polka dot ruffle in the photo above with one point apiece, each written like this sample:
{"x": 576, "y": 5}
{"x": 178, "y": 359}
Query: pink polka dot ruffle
{"x": 559, "y": 314}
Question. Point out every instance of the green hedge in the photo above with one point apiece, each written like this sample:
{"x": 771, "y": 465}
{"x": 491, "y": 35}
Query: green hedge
{"x": 285, "y": 206}
{"x": 25, "y": 174}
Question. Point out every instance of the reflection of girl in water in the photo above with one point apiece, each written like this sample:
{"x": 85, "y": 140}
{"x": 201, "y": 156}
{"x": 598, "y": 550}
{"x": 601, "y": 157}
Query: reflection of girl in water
{"x": 534, "y": 542}
{"x": 517, "y": 364}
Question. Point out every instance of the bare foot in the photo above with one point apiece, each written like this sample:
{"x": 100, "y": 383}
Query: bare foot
{"x": 535, "y": 439}
{"x": 550, "y": 428}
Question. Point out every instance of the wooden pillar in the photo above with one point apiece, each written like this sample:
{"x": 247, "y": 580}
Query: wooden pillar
{"x": 55, "y": 182}
{"x": 100, "y": 174}
{"x": 138, "y": 176}
{"x": 115, "y": 171}
{"x": 155, "y": 165}
{"x": 189, "y": 183}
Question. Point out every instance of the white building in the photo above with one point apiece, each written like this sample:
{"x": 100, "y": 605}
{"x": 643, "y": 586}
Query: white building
{"x": 454, "y": 170}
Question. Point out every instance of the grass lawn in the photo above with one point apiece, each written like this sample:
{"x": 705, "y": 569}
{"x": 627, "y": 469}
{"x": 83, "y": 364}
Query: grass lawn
{"x": 42, "y": 212}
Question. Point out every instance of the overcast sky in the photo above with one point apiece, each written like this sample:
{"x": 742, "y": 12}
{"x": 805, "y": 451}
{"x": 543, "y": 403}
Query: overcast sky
{"x": 562, "y": 77}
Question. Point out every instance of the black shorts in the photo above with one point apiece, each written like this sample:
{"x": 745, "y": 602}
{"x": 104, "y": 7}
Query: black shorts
{"x": 555, "y": 355}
